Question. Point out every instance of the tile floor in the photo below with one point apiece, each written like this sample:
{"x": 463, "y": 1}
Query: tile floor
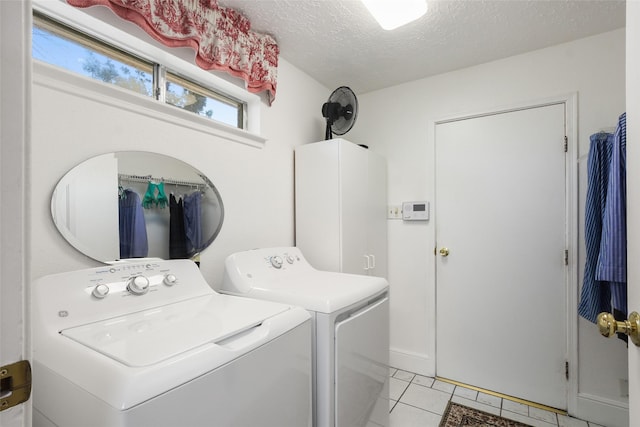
{"x": 418, "y": 401}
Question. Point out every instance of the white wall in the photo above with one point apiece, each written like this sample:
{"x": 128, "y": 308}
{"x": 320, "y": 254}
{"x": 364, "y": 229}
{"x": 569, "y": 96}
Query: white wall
{"x": 256, "y": 184}
{"x": 394, "y": 122}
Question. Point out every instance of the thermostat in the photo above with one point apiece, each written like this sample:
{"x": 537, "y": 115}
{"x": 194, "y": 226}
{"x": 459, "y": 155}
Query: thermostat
{"x": 415, "y": 211}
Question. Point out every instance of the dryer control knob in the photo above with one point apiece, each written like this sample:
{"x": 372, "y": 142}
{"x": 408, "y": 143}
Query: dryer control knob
{"x": 289, "y": 259}
{"x": 276, "y": 261}
{"x": 100, "y": 291}
{"x": 138, "y": 285}
{"x": 170, "y": 279}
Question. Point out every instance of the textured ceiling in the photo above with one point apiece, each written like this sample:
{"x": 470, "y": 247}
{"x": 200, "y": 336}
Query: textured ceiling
{"x": 339, "y": 43}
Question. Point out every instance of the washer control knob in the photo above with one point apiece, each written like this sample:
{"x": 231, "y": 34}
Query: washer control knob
{"x": 100, "y": 291}
{"x": 170, "y": 279}
{"x": 289, "y": 259}
{"x": 138, "y": 285}
{"x": 276, "y": 261}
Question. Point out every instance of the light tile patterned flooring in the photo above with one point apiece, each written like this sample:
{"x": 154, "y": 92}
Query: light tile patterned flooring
{"x": 418, "y": 401}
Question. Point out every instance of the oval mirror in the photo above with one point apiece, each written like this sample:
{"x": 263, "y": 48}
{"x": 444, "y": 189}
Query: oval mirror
{"x": 135, "y": 204}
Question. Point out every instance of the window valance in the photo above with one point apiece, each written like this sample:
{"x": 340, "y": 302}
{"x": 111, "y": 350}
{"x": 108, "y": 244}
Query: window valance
{"x": 221, "y": 37}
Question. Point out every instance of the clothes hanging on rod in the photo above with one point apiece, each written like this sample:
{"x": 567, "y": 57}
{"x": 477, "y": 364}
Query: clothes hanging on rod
{"x": 193, "y": 222}
{"x": 612, "y": 260}
{"x": 185, "y": 217}
{"x": 132, "y": 226}
{"x": 595, "y": 298}
{"x": 604, "y": 285}
{"x": 155, "y": 196}
{"x": 177, "y": 234}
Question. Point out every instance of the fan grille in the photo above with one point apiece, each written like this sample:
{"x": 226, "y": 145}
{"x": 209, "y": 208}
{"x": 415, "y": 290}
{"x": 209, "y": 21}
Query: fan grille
{"x": 341, "y": 111}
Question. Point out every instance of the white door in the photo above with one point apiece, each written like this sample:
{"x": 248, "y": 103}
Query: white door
{"x": 15, "y": 78}
{"x": 634, "y": 305}
{"x": 501, "y": 291}
{"x": 74, "y": 194}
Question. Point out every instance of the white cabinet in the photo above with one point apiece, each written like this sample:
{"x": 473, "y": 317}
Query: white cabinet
{"x": 341, "y": 200}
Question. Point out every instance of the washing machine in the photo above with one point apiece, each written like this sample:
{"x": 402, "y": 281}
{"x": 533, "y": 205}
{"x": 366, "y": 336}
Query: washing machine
{"x": 152, "y": 344}
{"x": 350, "y": 328}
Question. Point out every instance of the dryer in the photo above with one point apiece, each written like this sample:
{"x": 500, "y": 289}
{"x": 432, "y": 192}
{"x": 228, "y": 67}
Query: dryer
{"x": 350, "y": 317}
{"x": 152, "y": 344}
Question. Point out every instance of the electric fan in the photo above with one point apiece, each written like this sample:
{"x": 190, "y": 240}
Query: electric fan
{"x": 341, "y": 111}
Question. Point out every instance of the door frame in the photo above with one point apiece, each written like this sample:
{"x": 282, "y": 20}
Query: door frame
{"x": 15, "y": 106}
{"x": 570, "y": 102}
{"x": 633, "y": 205}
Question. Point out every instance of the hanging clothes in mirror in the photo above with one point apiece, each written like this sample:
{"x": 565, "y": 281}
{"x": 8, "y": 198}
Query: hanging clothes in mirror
{"x": 177, "y": 234}
{"x": 133, "y": 228}
{"x": 155, "y": 195}
{"x": 193, "y": 222}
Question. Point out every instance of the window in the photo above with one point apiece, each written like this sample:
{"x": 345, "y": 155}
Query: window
{"x": 190, "y": 96}
{"x": 64, "y": 47}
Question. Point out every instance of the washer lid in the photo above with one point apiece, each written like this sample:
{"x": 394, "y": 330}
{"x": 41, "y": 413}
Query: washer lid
{"x": 151, "y": 336}
{"x": 319, "y": 291}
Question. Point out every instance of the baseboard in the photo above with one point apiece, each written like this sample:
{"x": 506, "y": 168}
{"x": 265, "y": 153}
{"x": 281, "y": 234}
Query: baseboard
{"x": 602, "y": 411}
{"x": 412, "y": 362}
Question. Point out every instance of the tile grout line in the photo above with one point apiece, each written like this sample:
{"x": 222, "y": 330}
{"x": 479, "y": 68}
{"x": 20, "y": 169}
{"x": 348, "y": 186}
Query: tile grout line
{"x": 405, "y": 389}
{"x": 430, "y": 387}
{"x": 401, "y": 394}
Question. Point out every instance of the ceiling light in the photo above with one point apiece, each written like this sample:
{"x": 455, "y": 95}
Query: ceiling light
{"x": 392, "y": 14}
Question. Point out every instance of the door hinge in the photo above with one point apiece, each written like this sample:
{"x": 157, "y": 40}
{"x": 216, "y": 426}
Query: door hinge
{"x": 566, "y": 144}
{"x": 566, "y": 257}
{"x": 15, "y": 384}
{"x": 566, "y": 370}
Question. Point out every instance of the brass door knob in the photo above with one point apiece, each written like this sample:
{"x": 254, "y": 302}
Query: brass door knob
{"x": 444, "y": 252}
{"x": 609, "y": 326}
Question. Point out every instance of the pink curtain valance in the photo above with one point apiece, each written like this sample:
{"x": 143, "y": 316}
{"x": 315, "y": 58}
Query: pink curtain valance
{"x": 221, "y": 37}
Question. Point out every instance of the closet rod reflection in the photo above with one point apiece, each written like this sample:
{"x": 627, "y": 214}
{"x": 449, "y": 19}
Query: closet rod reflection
{"x": 147, "y": 178}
